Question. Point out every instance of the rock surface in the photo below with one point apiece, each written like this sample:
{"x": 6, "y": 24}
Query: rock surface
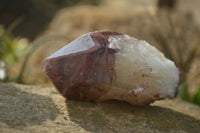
{"x": 37, "y": 109}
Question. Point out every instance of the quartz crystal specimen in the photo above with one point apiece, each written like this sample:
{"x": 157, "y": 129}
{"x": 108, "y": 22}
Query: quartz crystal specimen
{"x": 105, "y": 65}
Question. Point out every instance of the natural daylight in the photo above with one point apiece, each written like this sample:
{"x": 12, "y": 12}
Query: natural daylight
{"x": 99, "y": 66}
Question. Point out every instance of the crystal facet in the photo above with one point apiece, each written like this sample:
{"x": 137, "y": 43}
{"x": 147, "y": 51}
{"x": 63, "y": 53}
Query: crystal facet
{"x": 105, "y": 65}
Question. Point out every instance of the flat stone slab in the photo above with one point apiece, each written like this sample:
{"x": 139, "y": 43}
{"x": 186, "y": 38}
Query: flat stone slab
{"x": 36, "y": 109}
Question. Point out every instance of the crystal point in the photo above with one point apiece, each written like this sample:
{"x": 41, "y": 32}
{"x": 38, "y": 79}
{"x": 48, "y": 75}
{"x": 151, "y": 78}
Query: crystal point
{"x": 105, "y": 65}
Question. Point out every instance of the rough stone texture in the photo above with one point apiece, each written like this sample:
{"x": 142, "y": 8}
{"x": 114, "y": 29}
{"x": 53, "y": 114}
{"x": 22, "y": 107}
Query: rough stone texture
{"x": 37, "y": 109}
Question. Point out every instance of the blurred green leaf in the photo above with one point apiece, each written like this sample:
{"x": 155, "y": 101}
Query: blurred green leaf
{"x": 196, "y": 99}
{"x": 11, "y": 48}
{"x": 183, "y": 92}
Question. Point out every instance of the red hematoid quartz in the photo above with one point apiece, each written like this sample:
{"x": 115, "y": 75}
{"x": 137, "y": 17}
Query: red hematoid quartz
{"x": 105, "y": 65}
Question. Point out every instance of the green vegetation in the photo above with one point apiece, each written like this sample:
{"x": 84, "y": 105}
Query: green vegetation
{"x": 196, "y": 99}
{"x": 11, "y": 48}
{"x": 184, "y": 94}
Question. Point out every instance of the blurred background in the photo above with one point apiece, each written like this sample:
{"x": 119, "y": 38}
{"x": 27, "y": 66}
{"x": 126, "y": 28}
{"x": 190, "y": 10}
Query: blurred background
{"x": 31, "y": 30}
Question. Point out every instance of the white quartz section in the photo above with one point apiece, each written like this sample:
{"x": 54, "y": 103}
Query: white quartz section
{"x": 143, "y": 70}
{"x": 82, "y": 43}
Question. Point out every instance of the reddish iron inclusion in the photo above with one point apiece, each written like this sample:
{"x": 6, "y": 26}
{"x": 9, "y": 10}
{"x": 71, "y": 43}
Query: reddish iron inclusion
{"x": 78, "y": 75}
